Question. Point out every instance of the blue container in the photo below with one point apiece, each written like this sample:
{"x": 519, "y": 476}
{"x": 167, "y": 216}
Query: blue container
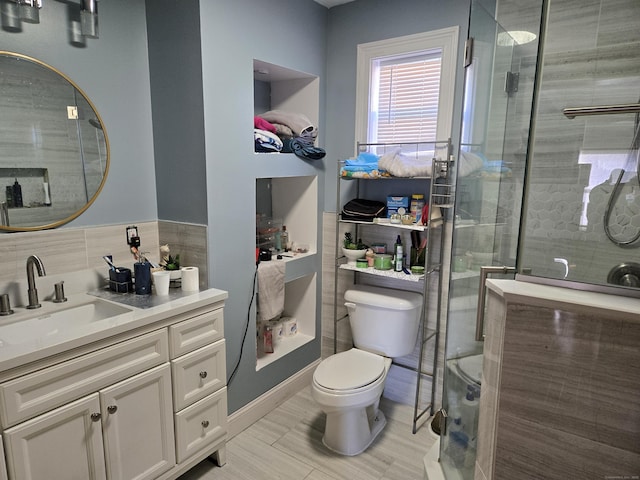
{"x": 142, "y": 274}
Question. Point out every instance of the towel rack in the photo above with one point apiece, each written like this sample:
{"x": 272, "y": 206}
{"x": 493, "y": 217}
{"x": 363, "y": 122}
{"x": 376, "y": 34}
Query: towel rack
{"x": 573, "y": 112}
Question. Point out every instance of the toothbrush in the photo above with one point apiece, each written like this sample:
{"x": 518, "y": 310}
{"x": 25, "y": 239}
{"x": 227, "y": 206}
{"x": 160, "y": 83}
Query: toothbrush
{"x": 107, "y": 258}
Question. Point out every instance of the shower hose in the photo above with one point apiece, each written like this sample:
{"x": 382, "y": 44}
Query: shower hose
{"x": 634, "y": 150}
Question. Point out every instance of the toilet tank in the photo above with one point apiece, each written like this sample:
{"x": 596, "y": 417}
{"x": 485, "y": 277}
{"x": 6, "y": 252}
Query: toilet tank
{"x": 383, "y": 320}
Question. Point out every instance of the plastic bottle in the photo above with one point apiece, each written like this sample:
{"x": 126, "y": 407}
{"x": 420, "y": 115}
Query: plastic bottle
{"x": 284, "y": 239}
{"x": 415, "y": 208}
{"x": 469, "y": 412}
{"x": 397, "y": 263}
{"x": 17, "y": 194}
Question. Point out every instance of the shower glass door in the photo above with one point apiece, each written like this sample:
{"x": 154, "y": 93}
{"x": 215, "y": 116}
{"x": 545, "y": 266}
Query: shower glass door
{"x": 497, "y": 108}
{"x": 582, "y": 224}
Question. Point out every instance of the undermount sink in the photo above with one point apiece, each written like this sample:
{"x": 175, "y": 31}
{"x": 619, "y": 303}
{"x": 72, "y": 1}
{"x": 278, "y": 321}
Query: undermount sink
{"x": 52, "y": 319}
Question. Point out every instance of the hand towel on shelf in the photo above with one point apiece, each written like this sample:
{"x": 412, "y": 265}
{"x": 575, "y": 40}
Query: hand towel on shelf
{"x": 270, "y": 290}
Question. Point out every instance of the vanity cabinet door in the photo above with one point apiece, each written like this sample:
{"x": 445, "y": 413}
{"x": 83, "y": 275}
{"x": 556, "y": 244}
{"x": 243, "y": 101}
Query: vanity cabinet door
{"x": 3, "y": 465}
{"x": 64, "y": 443}
{"x": 138, "y": 427}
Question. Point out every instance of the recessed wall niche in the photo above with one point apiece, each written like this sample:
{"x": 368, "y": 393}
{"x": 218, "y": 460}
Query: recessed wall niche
{"x": 279, "y": 88}
{"x": 292, "y": 202}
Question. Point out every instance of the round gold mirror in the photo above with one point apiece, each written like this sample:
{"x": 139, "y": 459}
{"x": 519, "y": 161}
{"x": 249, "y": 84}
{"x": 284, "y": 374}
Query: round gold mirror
{"x": 54, "y": 150}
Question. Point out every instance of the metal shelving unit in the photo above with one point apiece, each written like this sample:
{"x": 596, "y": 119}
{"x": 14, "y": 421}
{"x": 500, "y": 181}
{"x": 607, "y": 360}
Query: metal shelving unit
{"x": 441, "y": 194}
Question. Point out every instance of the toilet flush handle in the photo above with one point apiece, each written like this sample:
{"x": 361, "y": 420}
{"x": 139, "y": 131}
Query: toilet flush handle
{"x": 350, "y": 306}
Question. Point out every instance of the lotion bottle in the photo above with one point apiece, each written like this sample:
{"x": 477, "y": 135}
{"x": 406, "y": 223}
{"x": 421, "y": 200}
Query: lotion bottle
{"x": 284, "y": 239}
{"x": 397, "y": 261}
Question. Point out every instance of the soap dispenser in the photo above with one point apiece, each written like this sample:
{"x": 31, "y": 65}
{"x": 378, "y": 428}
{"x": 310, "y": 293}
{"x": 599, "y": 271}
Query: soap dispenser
{"x": 17, "y": 194}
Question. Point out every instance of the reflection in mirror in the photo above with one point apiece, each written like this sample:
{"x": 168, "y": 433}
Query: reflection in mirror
{"x": 54, "y": 151}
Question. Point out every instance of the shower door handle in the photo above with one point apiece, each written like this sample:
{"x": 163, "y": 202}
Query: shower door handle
{"x": 482, "y": 293}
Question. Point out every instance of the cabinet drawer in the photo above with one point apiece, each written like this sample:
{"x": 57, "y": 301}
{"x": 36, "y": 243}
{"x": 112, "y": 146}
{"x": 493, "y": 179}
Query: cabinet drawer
{"x": 196, "y": 332}
{"x": 201, "y": 424}
{"x": 51, "y": 387}
{"x": 198, "y": 374}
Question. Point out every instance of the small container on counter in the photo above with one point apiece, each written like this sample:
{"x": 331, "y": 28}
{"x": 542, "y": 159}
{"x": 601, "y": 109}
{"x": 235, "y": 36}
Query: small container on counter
{"x": 142, "y": 275}
{"x": 120, "y": 280}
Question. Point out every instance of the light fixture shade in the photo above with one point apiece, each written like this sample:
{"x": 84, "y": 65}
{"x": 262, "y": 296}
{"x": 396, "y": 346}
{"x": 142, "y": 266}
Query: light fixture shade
{"x": 89, "y": 18}
{"x": 10, "y": 15}
{"x": 30, "y": 10}
{"x": 519, "y": 37}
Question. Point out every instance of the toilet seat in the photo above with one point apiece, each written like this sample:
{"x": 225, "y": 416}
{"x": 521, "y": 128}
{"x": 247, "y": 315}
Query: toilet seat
{"x": 349, "y": 371}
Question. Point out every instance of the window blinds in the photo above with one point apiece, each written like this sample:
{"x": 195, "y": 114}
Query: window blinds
{"x": 404, "y": 103}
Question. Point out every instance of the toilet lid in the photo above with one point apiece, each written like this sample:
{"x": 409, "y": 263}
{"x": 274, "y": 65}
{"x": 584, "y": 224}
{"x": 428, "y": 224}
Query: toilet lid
{"x": 347, "y": 370}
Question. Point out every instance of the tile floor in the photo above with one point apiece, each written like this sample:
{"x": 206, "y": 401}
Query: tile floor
{"x": 286, "y": 444}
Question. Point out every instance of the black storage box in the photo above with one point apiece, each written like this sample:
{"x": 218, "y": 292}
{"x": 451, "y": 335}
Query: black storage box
{"x": 363, "y": 210}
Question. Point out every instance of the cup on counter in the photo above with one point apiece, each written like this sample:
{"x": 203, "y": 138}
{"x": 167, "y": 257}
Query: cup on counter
{"x": 161, "y": 280}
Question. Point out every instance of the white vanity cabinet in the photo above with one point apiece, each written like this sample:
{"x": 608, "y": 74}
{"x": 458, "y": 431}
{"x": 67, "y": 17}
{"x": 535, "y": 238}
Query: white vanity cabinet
{"x": 130, "y": 422}
{"x": 147, "y": 405}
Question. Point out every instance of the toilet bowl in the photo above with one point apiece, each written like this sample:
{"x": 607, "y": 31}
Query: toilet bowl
{"x": 348, "y": 385}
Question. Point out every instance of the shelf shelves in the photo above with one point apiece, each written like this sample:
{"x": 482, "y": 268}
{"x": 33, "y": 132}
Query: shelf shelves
{"x": 383, "y": 273}
{"x": 283, "y": 347}
{"x": 440, "y": 196}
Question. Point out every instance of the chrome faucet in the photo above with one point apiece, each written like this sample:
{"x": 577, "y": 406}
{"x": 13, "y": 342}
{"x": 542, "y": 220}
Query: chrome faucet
{"x": 32, "y": 292}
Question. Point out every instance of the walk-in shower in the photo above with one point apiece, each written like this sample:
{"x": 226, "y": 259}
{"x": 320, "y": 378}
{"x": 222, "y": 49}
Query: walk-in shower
{"x": 559, "y": 197}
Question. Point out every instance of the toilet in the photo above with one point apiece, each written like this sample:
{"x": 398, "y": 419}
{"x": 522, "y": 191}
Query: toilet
{"x": 348, "y": 385}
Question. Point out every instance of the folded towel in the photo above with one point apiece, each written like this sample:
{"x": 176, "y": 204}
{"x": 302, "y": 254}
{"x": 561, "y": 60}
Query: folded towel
{"x": 365, "y": 159}
{"x": 266, "y": 141}
{"x": 298, "y": 122}
{"x": 270, "y": 290}
{"x": 399, "y": 164}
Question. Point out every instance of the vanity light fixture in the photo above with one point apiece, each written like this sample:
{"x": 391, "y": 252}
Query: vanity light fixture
{"x": 30, "y": 10}
{"x": 14, "y": 12}
{"x": 89, "y": 18}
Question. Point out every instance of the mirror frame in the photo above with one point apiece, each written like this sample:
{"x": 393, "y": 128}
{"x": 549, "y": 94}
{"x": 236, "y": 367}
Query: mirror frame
{"x": 57, "y": 223}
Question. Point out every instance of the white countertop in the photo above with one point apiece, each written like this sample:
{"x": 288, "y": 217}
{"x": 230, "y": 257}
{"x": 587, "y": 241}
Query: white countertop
{"x": 553, "y": 296}
{"x": 39, "y": 345}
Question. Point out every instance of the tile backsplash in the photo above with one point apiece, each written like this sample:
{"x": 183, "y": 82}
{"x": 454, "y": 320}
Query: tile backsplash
{"x": 67, "y": 250}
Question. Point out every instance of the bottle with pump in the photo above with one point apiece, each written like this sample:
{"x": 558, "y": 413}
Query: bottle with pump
{"x": 398, "y": 254}
{"x": 17, "y": 194}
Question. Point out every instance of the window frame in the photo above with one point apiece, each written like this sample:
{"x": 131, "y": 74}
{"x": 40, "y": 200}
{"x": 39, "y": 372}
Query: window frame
{"x": 445, "y": 39}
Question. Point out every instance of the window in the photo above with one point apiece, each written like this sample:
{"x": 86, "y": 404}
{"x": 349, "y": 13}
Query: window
{"x": 404, "y": 98}
{"x": 405, "y": 88}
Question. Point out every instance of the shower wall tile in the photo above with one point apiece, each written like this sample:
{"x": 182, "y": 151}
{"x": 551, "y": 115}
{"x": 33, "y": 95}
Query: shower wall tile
{"x": 614, "y": 27}
{"x": 64, "y": 251}
{"x": 560, "y": 389}
{"x": 488, "y": 407}
{"x": 590, "y": 59}
{"x": 569, "y": 31}
{"x": 190, "y": 242}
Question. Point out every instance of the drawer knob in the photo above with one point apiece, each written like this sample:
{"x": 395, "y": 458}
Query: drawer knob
{"x": 203, "y": 374}
{"x": 205, "y": 423}
{"x": 95, "y": 417}
{"x": 112, "y": 409}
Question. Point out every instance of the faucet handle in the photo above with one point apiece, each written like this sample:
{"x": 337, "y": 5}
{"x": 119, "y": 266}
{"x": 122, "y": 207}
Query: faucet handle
{"x": 5, "y": 305}
{"x": 59, "y": 289}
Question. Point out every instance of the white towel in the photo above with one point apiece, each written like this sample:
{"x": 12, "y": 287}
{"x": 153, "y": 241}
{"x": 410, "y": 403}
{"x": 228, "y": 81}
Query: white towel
{"x": 270, "y": 290}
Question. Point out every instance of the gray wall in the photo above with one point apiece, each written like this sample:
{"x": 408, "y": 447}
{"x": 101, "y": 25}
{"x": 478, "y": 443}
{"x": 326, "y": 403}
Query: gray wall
{"x": 292, "y": 34}
{"x": 367, "y": 21}
{"x": 178, "y": 119}
{"x": 114, "y": 73}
